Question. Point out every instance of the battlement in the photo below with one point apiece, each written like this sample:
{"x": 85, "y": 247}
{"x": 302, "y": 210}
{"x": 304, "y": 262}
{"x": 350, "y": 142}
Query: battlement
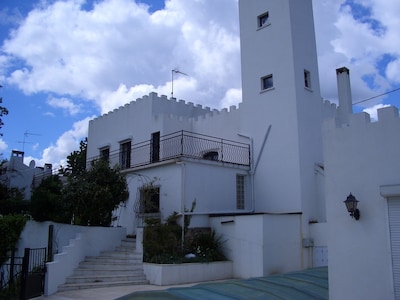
{"x": 329, "y": 109}
{"x": 171, "y": 107}
{"x": 387, "y": 116}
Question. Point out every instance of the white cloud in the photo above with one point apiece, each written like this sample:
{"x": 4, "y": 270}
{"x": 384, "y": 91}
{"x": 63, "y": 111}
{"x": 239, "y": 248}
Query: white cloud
{"x": 373, "y": 111}
{"x": 232, "y": 97}
{"x": 118, "y": 52}
{"x": 346, "y": 39}
{"x": 393, "y": 71}
{"x": 66, "y": 143}
{"x": 119, "y": 43}
{"x": 3, "y": 145}
{"x": 64, "y": 103}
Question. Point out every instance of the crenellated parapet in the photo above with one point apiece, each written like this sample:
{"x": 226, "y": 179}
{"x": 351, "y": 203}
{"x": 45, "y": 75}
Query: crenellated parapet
{"x": 387, "y": 117}
{"x": 168, "y": 108}
{"x": 329, "y": 109}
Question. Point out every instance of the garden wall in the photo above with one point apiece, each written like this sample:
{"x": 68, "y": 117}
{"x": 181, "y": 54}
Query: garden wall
{"x": 169, "y": 274}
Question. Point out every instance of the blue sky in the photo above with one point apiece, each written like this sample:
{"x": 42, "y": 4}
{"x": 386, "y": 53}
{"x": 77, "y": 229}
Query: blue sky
{"x": 64, "y": 62}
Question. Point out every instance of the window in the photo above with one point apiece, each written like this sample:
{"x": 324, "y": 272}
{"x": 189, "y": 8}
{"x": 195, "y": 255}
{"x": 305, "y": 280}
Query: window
{"x": 307, "y": 79}
{"x": 105, "y": 153}
{"x": 155, "y": 147}
{"x": 125, "y": 155}
{"x": 263, "y": 20}
{"x": 240, "y": 191}
{"x": 267, "y": 82}
{"x": 150, "y": 200}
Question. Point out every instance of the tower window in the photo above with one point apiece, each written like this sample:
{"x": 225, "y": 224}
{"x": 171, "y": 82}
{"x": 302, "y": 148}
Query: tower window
{"x": 263, "y": 20}
{"x": 267, "y": 82}
{"x": 307, "y": 79}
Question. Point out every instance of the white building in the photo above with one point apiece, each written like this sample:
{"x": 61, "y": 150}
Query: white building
{"x": 271, "y": 175}
{"x": 15, "y": 174}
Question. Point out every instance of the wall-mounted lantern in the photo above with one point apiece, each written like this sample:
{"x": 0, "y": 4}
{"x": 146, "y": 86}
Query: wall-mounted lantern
{"x": 351, "y": 205}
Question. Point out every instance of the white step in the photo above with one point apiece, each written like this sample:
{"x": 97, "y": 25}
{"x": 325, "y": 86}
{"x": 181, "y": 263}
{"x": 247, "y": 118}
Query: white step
{"x": 124, "y": 266}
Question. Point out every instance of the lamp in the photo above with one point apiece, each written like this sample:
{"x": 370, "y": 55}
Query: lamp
{"x": 351, "y": 205}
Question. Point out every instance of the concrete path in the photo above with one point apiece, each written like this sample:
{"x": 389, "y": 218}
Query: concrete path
{"x": 109, "y": 293}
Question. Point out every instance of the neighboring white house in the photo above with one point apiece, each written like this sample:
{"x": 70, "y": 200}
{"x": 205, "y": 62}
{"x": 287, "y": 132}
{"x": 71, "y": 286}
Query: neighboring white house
{"x": 271, "y": 175}
{"x": 15, "y": 174}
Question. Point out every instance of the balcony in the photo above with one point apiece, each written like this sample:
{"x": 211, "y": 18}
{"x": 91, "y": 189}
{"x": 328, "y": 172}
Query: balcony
{"x": 181, "y": 144}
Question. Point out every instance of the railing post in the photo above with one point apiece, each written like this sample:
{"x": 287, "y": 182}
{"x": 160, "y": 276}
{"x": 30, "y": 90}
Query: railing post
{"x": 12, "y": 264}
{"x": 24, "y": 274}
{"x": 50, "y": 243}
{"x": 181, "y": 143}
{"x": 222, "y": 149}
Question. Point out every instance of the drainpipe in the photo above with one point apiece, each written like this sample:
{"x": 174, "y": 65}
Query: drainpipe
{"x": 252, "y": 172}
{"x": 253, "y": 167}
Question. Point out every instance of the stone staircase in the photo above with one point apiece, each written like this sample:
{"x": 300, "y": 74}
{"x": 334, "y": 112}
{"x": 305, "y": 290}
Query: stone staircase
{"x": 123, "y": 266}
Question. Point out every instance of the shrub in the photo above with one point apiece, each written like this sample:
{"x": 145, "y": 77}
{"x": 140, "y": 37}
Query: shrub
{"x": 162, "y": 243}
{"x": 11, "y": 227}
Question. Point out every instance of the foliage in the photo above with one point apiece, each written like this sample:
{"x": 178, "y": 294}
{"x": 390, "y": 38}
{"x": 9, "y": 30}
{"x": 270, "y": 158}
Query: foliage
{"x": 92, "y": 195}
{"x": 76, "y": 161}
{"x": 162, "y": 243}
{"x": 47, "y": 201}
{"x": 11, "y": 200}
{"x": 11, "y": 227}
{"x": 3, "y": 112}
{"x": 207, "y": 246}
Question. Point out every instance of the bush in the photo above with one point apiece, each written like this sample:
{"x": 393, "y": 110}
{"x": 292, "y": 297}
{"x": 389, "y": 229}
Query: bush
{"x": 162, "y": 243}
{"x": 11, "y": 227}
{"x": 47, "y": 201}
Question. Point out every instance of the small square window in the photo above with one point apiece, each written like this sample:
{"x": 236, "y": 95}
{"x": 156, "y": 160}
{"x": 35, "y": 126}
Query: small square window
{"x": 307, "y": 79}
{"x": 267, "y": 82}
{"x": 263, "y": 20}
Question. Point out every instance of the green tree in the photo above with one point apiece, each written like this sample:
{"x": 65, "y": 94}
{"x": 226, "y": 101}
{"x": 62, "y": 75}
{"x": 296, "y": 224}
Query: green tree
{"x": 76, "y": 161}
{"x": 92, "y": 195}
{"x": 11, "y": 227}
{"x": 47, "y": 201}
{"x": 3, "y": 112}
{"x": 11, "y": 199}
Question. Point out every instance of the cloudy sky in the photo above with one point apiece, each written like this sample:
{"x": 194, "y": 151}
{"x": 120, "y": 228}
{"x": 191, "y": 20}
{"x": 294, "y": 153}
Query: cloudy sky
{"x": 64, "y": 62}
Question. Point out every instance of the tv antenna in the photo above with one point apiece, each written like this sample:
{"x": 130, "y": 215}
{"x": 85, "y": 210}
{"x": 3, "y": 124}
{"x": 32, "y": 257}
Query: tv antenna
{"x": 26, "y": 135}
{"x": 175, "y": 71}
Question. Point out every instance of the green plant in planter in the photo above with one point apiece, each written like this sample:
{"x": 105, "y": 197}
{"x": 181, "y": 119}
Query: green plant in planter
{"x": 207, "y": 247}
{"x": 162, "y": 243}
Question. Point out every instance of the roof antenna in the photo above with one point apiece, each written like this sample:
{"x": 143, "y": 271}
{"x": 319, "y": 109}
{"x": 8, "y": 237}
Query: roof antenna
{"x": 26, "y": 134}
{"x": 175, "y": 71}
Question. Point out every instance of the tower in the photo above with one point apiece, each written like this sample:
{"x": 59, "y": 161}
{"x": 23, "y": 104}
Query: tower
{"x": 281, "y": 108}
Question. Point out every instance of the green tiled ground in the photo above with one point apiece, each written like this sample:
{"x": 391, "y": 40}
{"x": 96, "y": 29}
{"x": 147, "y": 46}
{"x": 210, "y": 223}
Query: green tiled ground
{"x": 308, "y": 284}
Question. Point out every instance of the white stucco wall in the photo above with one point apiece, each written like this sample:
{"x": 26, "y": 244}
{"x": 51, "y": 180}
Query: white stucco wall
{"x": 261, "y": 244}
{"x": 360, "y": 158}
{"x": 181, "y": 182}
{"x": 35, "y": 235}
{"x": 71, "y": 244}
{"x": 293, "y": 145}
{"x": 90, "y": 242}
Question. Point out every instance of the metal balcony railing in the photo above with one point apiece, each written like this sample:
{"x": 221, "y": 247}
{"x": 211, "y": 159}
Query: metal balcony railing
{"x": 181, "y": 144}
